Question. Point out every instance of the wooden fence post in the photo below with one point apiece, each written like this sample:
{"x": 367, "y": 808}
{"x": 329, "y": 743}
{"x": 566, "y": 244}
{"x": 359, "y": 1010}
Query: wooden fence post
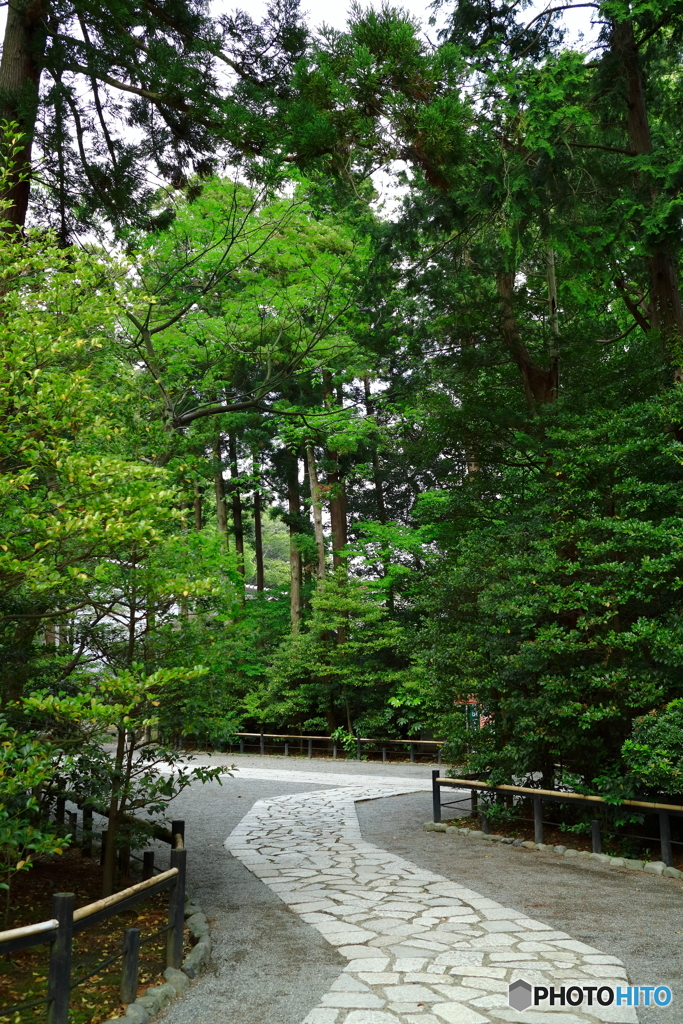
{"x": 129, "y": 971}
{"x": 357, "y": 750}
{"x": 538, "y": 819}
{"x": 310, "y": 748}
{"x": 262, "y": 746}
{"x": 124, "y": 865}
{"x": 59, "y": 971}
{"x": 436, "y": 796}
{"x": 86, "y": 844}
{"x": 665, "y": 838}
{"x": 177, "y": 829}
{"x": 176, "y": 911}
{"x": 147, "y": 864}
{"x": 595, "y": 836}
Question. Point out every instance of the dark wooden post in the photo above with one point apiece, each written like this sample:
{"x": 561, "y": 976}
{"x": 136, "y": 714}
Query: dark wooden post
{"x": 59, "y": 971}
{"x": 262, "y": 747}
{"x": 473, "y": 803}
{"x": 241, "y": 746}
{"x": 178, "y": 829}
{"x": 86, "y": 845}
{"x": 147, "y": 864}
{"x": 334, "y": 751}
{"x": 665, "y": 838}
{"x": 412, "y": 753}
{"x": 286, "y": 748}
{"x": 357, "y": 750}
{"x": 484, "y": 820}
{"x": 436, "y": 795}
{"x": 538, "y": 819}
{"x": 124, "y": 864}
{"x": 59, "y": 814}
{"x": 129, "y": 972}
{"x": 176, "y": 911}
{"x": 310, "y": 748}
{"x": 384, "y": 755}
{"x": 595, "y": 835}
{"x": 438, "y": 756}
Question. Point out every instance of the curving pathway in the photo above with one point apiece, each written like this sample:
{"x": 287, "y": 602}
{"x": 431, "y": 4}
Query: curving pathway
{"x": 420, "y": 949}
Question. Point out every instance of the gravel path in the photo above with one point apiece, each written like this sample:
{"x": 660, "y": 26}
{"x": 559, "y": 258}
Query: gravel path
{"x": 270, "y": 965}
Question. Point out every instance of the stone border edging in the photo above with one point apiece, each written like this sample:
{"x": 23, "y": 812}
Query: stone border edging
{"x": 177, "y": 982}
{"x": 652, "y": 867}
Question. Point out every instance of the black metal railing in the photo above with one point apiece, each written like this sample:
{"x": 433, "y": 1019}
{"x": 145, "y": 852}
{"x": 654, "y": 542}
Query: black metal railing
{"x": 538, "y": 797}
{"x": 67, "y": 921}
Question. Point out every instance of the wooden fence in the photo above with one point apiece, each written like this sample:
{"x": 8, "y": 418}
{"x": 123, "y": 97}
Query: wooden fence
{"x": 330, "y": 743}
{"x": 66, "y": 921}
{"x": 540, "y": 796}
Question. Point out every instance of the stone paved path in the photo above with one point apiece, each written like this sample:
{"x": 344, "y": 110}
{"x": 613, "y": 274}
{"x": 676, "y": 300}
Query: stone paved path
{"x": 420, "y": 949}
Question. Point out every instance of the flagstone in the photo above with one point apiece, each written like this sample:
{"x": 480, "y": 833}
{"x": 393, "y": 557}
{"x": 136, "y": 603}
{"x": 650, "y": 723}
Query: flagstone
{"x": 420, "y": 948}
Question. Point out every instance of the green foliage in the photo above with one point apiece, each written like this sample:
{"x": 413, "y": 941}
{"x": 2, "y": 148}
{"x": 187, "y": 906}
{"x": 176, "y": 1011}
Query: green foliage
{"x": 347, "y": 662}
{"x": 26, "y": 765}
{"x": 486, "y": 384}
{"x": 564, "y": 601}
{"x": 654, "y": 754}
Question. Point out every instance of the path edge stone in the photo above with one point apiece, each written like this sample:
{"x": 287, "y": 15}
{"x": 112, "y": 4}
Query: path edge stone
{"x": 655, "y": 867}
{"x": 157, "y": 997}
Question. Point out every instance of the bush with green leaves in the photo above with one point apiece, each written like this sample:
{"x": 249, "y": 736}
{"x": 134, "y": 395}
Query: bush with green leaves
{"x": 559, "y": 607}
{"x": 654, "y": 752}
{"x": 346, "y": 665}
{"x": 26, "y": 766}
{"x": 141, "y": 774}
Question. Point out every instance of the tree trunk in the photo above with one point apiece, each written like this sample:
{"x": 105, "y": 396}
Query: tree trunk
{"x": 376, "y": 469}
{"x": 21, "y": 66}
{"x": 108, "y": 875}
{"x": 237, "y": 523}
{"x": 554, "y": 321}
{"x": 379, "y": 491}
{"x": 539, "y": 386}
{"x": 337, "y": 511}
{"x": 317, "y": 511}
{"x": 294, "y": 553}
{"x": 219, "y": 488}
{"x": 666, "y": 311}
{"x": 197, "y": 504}
{"x": 258, "y": 529}
{"x": 335, "y": 483}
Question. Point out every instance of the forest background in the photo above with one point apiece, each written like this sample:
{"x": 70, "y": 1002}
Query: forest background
{"x": 275, "y": 456}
